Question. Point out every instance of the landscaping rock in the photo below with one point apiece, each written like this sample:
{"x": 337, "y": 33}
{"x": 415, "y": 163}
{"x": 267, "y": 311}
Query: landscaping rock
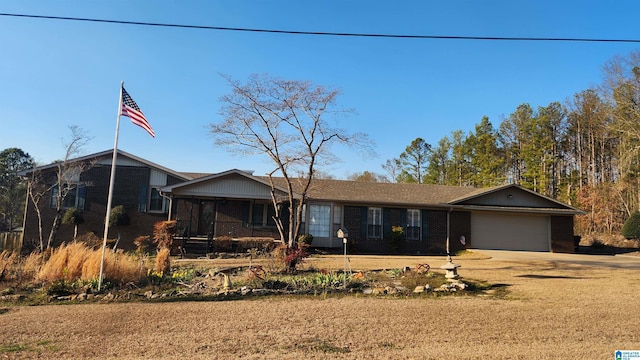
{"x": 245, "y": 290}
{"x": 148, "y": 294}
{"x": 418, "y": 289}
{"x": 260, "y": 291}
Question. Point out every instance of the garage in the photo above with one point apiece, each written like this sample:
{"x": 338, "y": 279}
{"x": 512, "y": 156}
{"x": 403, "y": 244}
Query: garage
{"x": 510, "y": 232}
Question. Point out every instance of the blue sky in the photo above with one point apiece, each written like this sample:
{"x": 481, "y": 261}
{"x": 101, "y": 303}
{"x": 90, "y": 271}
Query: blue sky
{"x": 54, "y": 74}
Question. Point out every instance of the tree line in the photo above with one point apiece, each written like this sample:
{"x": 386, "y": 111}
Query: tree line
{"x": 583, "y": 151}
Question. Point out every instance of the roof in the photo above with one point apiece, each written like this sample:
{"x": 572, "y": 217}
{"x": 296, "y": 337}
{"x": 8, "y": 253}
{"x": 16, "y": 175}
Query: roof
{"x": 382, "y": 193}
{"x": 109, "y": 153}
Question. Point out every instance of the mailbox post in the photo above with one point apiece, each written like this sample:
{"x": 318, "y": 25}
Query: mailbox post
{"x": 344, "y": 234}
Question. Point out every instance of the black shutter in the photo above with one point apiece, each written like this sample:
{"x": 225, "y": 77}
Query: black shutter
{"x": 142, "y": 199}
{"x": 424, "y": 217}
{"x": 364, "y": 211}
{"x": 386, "y": 222}
{"x": 82, "y": 195}
{"x": 245, "y": 213}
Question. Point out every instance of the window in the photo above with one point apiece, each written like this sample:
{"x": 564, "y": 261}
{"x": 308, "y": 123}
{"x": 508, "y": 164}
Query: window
{"x": 75, "y": 197}
{"x": 374, "y": 223}
{"x": 262, "y": 214}
{"x": 413, "y": 224}
{"x": 319, "y": 220}
{"x": 157, "y": 203}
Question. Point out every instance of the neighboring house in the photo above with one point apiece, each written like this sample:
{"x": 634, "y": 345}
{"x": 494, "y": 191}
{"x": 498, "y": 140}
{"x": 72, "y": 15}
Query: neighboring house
{"x": 238, "y": 204}
{"x": 235, "y": 203}
{"x": 136, "y": 187}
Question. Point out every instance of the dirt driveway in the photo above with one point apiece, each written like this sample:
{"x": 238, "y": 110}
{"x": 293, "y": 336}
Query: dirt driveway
{"x": 557, "y": 307}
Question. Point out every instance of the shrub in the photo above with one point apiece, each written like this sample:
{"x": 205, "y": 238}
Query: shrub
{"x": 631, "y": 227}
{"x": 163, "y": 233}
{"x": 223, "y": 244}
{"x": 395, "y": 237}
{"x": 143, "y": 244}
{"x": 73, "y": 217}
{"x": 291, "y": 257}
{"x": 163, "y": 261}
{"x": 305, "y": 239}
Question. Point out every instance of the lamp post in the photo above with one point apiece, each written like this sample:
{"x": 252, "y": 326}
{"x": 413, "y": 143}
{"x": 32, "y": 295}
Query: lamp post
{"x": 344, "y": 234}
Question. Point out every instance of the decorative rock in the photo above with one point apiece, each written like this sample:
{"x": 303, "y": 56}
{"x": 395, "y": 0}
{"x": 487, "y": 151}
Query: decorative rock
{"x": 367, "y": 291}
{"x": 418, "y": 289}
{"x": 460, "y": 285}
{"x": 427, "y": 287}
{"x": 148, "y": 294}
{"x": 379, "y": 291}
{"x": 402, "y": 289}
{"x": 108, "y": 297}
{"x": 245, "y": 290}
{"x": 390, "y": 290}
{"x": 260, "y": 291}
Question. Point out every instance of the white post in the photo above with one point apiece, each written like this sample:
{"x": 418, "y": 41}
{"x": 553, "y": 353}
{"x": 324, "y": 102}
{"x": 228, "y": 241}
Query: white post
{"x": 448, "y": 233}
{"x": 344, "y": 281}
{"x": 111, "y": 182}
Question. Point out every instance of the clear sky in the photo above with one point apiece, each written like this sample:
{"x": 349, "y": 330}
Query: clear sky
{"x": 54, "y": 74}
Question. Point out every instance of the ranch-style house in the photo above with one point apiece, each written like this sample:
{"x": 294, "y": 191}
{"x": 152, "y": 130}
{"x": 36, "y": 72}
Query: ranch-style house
{"x": 237, "y": 204}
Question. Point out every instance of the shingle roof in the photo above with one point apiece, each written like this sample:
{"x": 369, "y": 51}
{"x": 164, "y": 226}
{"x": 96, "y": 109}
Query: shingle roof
{"x": 382, "y": 193}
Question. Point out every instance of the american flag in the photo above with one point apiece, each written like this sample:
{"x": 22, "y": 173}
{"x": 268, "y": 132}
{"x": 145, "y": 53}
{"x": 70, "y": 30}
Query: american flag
{"x": 131, "y": 110}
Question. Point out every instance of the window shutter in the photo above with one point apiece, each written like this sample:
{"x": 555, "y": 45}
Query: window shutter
{"x": 82, "y": 193}
{"x": 425, "y": 224}
{"x": 364, "y": 211}
{"x": 386, "y": 222}
{"x": 142, "y": 200}
{"x": 245, "y": 213}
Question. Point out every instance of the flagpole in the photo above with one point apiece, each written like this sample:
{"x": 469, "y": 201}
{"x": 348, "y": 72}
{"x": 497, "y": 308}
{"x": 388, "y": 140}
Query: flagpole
{"x": 111, "y": 182}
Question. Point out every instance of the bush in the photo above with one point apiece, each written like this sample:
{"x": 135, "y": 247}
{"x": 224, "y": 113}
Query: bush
{"x": 631, "y": 227}
{"x": 143, "y": 244}
{"x": 395, "y": 237}
{"x": 164, "y": 232}
{"x": 291, "y": 257}
{"x": 305, "y": 239}
{"x": 163, "y": 262}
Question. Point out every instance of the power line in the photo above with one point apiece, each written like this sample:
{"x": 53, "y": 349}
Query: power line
{"x": 322, "y": 33}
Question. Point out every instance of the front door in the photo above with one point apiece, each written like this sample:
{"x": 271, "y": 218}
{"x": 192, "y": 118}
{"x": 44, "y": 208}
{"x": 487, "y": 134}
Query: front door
{"x": 206, "y": 217}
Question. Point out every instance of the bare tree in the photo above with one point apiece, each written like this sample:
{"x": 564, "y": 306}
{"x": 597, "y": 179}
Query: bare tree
{"x": 392, "y": 167}
{"x": 68, "y": 175}
{"x": 36, "y": 190}
{"x": 288, "y": 121}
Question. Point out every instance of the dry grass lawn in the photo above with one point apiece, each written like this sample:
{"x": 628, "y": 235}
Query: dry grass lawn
{"x": 551, "y": 312}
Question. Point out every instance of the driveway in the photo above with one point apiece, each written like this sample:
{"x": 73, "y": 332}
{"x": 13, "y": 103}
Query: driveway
{"x": 609, "y": 261}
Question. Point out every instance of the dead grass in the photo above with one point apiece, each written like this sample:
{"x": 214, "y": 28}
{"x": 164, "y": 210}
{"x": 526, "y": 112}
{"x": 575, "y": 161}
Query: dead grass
{"x": 552, "y": 311}
{"x": 74, "y": 261}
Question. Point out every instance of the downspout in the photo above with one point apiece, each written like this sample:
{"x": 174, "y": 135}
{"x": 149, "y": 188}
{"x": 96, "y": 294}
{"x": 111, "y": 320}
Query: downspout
{"x": 170, "y": 203}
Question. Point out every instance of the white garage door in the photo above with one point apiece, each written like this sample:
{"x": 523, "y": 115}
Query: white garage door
{"x": 509, "y": 232}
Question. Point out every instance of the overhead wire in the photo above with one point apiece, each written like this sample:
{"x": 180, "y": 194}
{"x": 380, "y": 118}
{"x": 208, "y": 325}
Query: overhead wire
{"x": 323, "y": 33}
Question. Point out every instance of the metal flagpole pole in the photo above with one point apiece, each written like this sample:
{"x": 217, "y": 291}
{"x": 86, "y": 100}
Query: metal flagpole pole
{"x": 111, "y": 181}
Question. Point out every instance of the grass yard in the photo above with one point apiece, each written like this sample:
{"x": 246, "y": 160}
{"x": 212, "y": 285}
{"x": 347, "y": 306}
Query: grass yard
{"x": 545, "y": 311}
